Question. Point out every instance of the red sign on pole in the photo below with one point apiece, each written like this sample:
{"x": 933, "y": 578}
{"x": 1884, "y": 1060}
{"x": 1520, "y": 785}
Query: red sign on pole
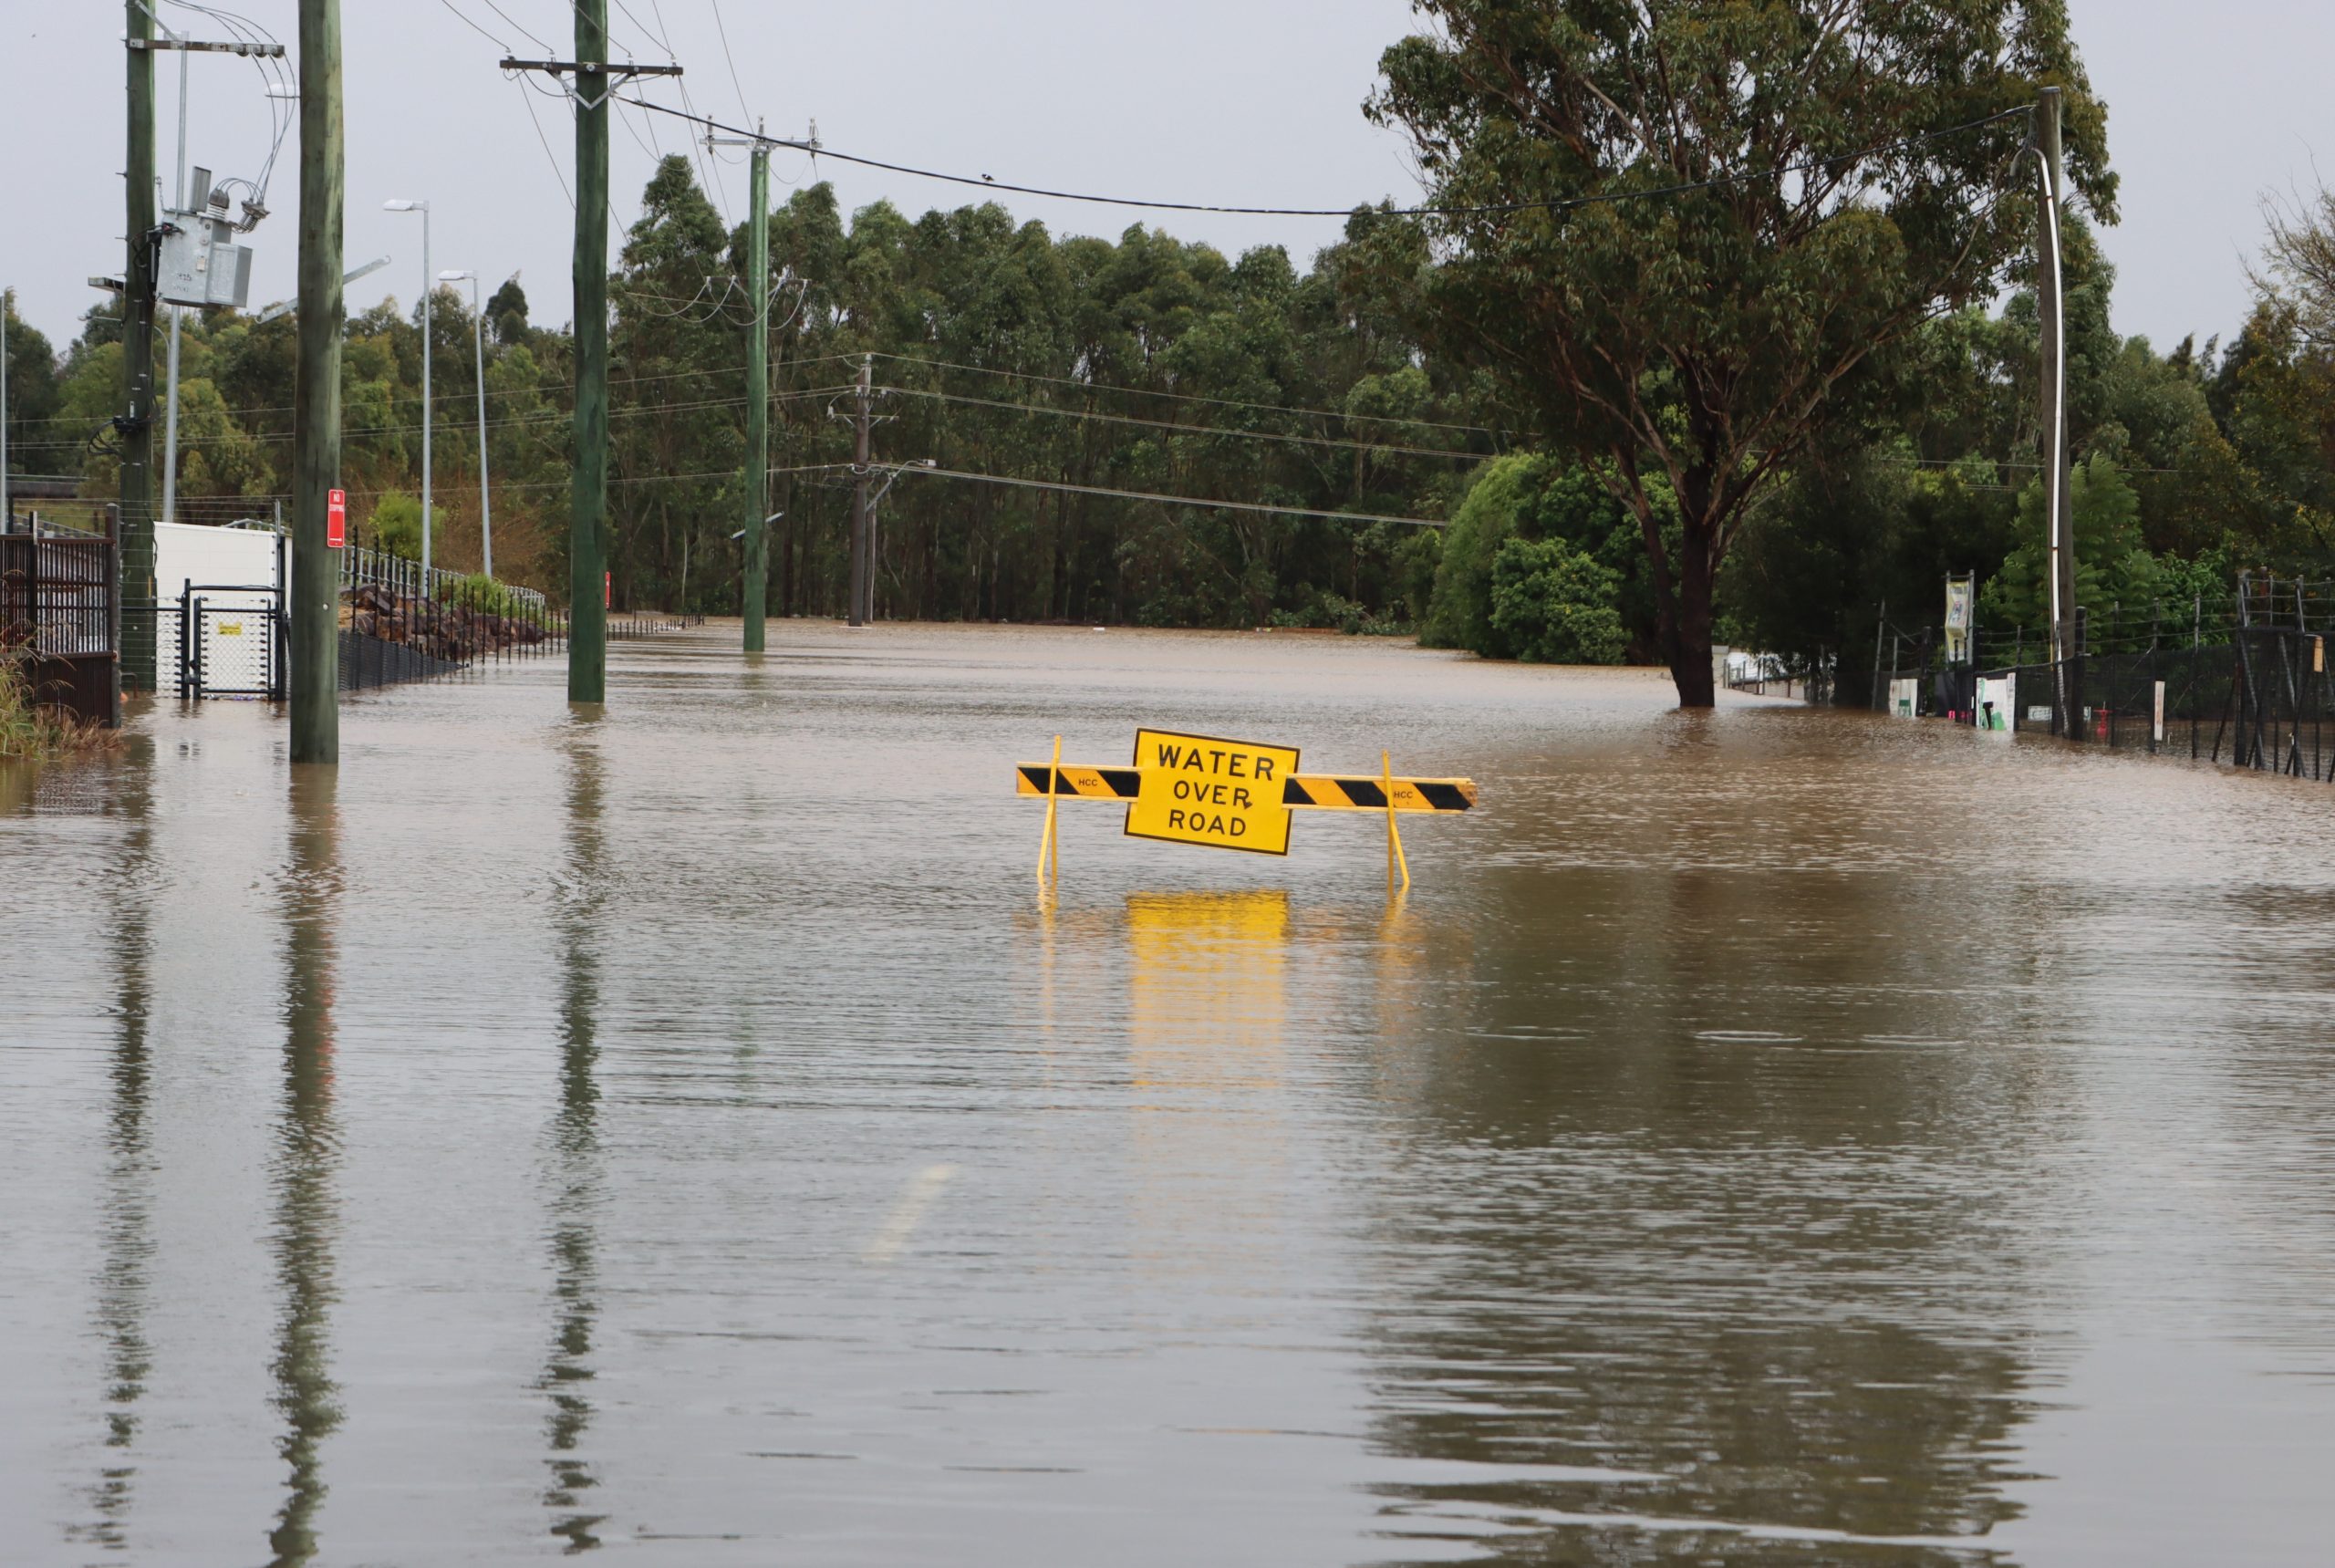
{"x": 336, "y": 519}
{"x": 608, "y": 589}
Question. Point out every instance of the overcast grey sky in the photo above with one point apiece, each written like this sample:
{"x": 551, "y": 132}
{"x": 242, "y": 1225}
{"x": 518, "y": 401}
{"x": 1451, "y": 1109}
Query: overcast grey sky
{"x": 1249, "y": 102}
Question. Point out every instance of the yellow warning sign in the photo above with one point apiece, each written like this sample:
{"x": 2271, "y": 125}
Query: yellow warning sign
{"x": 1201, "y": 789}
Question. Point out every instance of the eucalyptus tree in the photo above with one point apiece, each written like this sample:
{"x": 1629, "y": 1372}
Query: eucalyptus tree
{"x": 1688, "y": 236}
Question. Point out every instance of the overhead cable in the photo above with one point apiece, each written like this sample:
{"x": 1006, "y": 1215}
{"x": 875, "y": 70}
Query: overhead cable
{"x": 1263, "y": 506}
{"x": 1196, "y": 398}
{"x": 1567, "y": 203}
{"x": 1174, "y": 428}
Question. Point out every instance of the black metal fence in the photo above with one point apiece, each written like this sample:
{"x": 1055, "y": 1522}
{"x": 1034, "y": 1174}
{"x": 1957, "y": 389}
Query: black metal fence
{"x": 646, "y": 624}
{"x": 2244, "y": 680}
{"x": 59, "y": 612}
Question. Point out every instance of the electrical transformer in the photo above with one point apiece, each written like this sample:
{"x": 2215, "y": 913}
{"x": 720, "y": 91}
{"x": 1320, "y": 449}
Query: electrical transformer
{"x": 202, "y": 264}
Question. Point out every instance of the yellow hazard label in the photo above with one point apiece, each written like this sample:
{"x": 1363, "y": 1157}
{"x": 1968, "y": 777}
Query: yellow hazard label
{"x": 230, "y": 628}
{"x": 1201, "y": 789}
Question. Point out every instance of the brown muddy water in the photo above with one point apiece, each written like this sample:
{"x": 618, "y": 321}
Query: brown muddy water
{"x": 1763, "y": 1136}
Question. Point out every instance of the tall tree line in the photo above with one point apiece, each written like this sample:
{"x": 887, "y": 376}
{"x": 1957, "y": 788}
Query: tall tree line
{"x": 1150, "y": 364}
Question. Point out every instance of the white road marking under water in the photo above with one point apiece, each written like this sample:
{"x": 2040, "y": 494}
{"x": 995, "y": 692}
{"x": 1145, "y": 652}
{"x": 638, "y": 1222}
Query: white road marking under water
{"x": 923, "y": 1187}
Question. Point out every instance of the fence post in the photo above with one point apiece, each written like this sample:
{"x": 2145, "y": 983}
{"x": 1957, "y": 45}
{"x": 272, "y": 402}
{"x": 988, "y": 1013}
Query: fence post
{"x": 113, "y": 612}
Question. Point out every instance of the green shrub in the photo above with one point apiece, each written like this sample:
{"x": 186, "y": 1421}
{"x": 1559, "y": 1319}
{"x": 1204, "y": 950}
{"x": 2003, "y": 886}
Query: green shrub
{"x": 397, "y": 526}
{"x": 33, "y": 731}
{"x": 480, "y": 593}
{"x": 1554, "y": 605}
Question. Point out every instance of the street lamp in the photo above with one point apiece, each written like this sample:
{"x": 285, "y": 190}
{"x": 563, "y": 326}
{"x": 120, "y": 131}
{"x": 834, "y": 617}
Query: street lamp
{"x": 424, "y": 208}
{"x": 485, "y": 508}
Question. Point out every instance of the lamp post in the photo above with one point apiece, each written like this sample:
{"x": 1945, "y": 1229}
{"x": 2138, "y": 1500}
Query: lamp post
{"x": 477, "y": 334}
{"x": 427, "y": 285}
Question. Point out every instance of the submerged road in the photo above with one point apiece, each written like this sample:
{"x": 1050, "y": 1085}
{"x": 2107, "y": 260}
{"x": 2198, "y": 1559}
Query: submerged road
{"x": 1767, "y": 1135}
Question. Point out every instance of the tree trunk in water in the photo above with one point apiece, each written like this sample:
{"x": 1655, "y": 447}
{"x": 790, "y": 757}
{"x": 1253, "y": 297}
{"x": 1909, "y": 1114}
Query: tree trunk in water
{"x": 1690, "y": 654}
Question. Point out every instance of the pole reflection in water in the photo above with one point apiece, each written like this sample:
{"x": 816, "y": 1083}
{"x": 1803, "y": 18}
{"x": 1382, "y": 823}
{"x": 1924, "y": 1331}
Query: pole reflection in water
{"x": 307, "y": 1160}
{"x": 574, "y": 1148}
{"x": 1207, "y": 1016}
{"x": 128, "y": 1228}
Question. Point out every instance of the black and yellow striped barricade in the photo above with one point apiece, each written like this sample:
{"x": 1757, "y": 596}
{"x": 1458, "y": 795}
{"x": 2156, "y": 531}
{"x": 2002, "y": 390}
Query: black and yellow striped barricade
{"x": 1230, "y": 794}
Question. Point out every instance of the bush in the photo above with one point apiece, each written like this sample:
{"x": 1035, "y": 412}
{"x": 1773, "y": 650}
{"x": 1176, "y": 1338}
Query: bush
{"x": 480, "y": 593}
{"x": 1531, "y": 497}
{"x": 33, "y": 730}
{"x": 397, "y": 526}
{"x": 1554, "y": 605}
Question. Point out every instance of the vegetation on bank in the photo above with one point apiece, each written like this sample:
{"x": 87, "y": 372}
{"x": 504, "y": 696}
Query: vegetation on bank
{"x": 1803, "y": 410}
{"x": 33, "y": 730}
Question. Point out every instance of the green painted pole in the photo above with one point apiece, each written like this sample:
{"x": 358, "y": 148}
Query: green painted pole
{"x": 138, "y": 365}
{"x": 588, "y": 526}
{"x": 758, "y": 400}
{"x": 316, "y": 419}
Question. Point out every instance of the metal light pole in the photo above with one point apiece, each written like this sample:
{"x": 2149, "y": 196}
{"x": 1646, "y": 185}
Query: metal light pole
{"x": 426, "y": 286}
{"x": 477, "y": 334}
{"x": 2051, "y": 307}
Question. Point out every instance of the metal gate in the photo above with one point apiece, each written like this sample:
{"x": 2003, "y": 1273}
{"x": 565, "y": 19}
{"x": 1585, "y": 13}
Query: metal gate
{"x": 231, "y": 641}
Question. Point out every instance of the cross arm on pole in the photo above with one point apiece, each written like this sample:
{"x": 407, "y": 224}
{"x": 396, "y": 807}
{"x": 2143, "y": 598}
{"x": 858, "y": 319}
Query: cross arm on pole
{"x": 199, "y": 46}
{"x": 571, "y": 67}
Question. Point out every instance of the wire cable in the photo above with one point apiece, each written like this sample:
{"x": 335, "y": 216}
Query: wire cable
{"x": 507, "y": 15}
{"x": 1170, "y": 426}
{"x": 528, "y": 99}
{"x": 1560, "y": 204}
{"x": 1196, "y": 398}
{"x": 1264, "y": 506}
{"x": 726, "y": 55}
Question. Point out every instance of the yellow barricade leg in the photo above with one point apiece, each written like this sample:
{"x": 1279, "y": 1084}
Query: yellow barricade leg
{"x": 1048, "y": 849}
{"x": 1395, "y": 856}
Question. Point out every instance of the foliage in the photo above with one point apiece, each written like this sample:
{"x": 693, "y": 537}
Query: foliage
{"x": 482, "y": 593}
{"x": 38, "y": 732}
{"x": 1712, "y": 335}
{"x": 397, "y": 526}
{"x": 1408, "y": 370}
{"x": 1554, "y": 605}
{"x": 2111, "y": 565}
{"x": 1534, "y": 496}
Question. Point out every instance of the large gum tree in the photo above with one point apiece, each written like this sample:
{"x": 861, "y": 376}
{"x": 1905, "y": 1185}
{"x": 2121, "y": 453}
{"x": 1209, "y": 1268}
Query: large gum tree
{"x": 1692, "y": 344}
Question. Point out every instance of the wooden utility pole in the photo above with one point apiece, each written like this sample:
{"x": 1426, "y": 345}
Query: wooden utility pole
{"x": 861, "y": 567}
{"x": 136, "y": 425}
{"x": 758, "y": 399}
{"x": 588, "y": 524}
{"x": 2051, "y": 297}
{"x": 316, "y": 419}
{"x": 588, "y": 512}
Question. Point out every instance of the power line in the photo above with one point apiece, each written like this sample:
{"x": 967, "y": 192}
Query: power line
{"x": 474, "y": 27}
{"x": 1175, "y": 500}
{"x": 507, "y": 15}
{"x": 456, "y": 427}
{"x": 527, "y": 97}
{"x": 497, "y": 392}
{"x": 1182, "y": 430}
{"x": 1569, "y": 204}
{"x": 1195, "y": 398}
{"x": 726, "y": 55}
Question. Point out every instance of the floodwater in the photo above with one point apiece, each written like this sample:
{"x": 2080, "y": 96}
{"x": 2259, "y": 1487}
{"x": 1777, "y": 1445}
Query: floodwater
{"x": 686, "y": 1133}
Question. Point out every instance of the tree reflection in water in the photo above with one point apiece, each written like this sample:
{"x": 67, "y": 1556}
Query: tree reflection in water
{"x": 1766, "y": 1273}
